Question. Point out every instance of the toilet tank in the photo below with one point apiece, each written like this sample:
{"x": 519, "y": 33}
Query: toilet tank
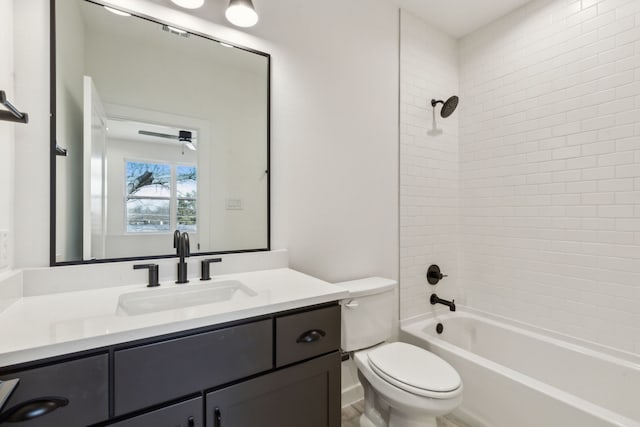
{"x": 368, "y": 312}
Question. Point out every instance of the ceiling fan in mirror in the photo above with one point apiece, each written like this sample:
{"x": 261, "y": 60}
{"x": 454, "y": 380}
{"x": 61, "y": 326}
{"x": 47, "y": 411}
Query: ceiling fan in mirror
{"x": 184, "y": 136}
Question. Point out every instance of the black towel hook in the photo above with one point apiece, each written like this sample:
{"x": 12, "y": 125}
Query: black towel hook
{"x": 13, "y": 115}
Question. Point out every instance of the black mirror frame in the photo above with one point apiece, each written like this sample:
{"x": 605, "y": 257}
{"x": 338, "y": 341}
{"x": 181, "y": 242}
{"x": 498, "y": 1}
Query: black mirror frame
{"x": 54, "y": 148}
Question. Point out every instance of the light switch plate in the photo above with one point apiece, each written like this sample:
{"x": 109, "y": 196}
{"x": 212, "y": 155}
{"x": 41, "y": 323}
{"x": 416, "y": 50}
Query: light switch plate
{"x": 234, "y": 204}
{"x": 4, "y": 249}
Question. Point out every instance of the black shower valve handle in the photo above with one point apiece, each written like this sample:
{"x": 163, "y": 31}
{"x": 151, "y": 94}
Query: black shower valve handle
{"x": 434, "y": 275}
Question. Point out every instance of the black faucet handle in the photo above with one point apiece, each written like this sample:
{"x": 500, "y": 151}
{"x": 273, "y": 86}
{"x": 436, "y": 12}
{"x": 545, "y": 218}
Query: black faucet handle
{"x": 153, "y": 273}
{"x": 434, "y": 275}
{"x": 205, "y": 269}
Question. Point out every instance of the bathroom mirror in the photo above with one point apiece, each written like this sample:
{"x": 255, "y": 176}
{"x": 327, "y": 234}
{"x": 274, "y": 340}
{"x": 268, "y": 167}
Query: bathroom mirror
{"x": 153, "y": 129}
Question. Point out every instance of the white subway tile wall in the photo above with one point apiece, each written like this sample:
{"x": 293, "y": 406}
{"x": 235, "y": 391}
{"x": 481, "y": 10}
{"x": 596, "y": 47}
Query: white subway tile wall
{"x": 428, "y": 164}
{"x": 534, "y": 207}
{"x": 550, "y": 168}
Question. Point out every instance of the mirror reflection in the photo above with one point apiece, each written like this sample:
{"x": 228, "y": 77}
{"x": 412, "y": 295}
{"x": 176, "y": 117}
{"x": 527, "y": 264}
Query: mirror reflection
{"x": 157, "y": 130}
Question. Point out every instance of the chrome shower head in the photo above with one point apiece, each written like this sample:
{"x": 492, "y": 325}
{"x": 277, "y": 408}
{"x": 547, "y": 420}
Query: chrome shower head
{"x": 448, "y": 106}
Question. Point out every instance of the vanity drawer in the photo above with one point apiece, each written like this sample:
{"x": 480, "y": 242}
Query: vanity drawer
{"x": 83, "y": 382}
{"x": 304, "y": 335}
{"x": 185, "y": 414}
{"x": 154, "y": 373}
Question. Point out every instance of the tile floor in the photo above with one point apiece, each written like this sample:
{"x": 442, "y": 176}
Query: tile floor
{"x": 351, "y": 417}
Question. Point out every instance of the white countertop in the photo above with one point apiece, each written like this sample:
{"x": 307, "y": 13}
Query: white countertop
{"x": 43, "y": 326}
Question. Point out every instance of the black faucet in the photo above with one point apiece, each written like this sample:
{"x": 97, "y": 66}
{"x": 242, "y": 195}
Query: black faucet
{"x": 153, "y": 273}
{"x": 435, "y": 300}
{"x": 206, "y": 270}
{"x": 181, "y": 244}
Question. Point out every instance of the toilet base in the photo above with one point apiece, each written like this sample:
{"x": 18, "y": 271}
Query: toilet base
{"x": 378, "y": 412}
{"x": 397, "y": 420}
{"x": 366, "y": 422}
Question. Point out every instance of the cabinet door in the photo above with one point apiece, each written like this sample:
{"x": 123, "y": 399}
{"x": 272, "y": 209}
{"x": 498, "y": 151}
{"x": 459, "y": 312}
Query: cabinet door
{"x": 83, "y": 382}
{"x": 185, "y": 414}
{"x": 307, "y": 395}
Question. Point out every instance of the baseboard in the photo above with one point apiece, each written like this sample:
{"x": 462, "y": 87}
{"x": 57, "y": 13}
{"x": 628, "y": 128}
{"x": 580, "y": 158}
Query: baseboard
{"x": 351, "y": 395}
{"x": 469, "y": 418}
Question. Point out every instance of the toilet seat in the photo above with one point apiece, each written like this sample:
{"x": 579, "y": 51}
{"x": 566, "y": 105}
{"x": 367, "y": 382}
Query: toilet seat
{"x": 415, "y": 370}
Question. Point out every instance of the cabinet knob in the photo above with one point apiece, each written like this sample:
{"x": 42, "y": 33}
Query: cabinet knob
{"x": 191, "y": 422}
{"x": 311, "y": 336}
{"x": 33, "y": 408}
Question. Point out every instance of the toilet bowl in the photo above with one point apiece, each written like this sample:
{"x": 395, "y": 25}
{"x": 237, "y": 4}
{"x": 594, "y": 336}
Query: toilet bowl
{"x": 404, "y": 385}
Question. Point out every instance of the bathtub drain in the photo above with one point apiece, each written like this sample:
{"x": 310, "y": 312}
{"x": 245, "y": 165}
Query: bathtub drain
{"x": 439, "y": 328}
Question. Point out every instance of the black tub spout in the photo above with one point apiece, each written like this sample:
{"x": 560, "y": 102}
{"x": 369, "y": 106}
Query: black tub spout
{"x": 435, "y": 300}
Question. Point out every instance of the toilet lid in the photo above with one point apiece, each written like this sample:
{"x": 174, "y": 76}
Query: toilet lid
{"x": 414, "y": 369}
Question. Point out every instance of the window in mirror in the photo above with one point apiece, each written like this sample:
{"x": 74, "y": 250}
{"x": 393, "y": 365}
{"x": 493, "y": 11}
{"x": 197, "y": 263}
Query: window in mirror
{"x": 160, "y": 198}
{"x": 187, "y": 190}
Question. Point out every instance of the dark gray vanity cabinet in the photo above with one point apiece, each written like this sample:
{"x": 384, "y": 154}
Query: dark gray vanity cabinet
{"x": 83, "y": 383}
{"x": 279, "y": 370}
{"x": 302, "y": 395}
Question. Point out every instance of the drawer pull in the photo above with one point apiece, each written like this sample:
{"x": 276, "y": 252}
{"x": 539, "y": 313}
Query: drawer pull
{"x": 217, "y": 418}
{"x": 311, "y": 336}
{"x": 191, "y": 422}
{"x": 31, "y": 409}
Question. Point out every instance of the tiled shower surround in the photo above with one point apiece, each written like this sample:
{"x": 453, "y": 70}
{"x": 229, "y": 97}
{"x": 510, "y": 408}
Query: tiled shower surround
{"x": 547, "y": 224}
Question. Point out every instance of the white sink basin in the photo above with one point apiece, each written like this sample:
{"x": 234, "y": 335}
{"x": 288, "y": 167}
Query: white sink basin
{"x": 153, "y": 300}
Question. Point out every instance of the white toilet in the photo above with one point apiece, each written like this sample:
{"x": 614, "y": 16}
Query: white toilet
{"x": 404, "y": 385}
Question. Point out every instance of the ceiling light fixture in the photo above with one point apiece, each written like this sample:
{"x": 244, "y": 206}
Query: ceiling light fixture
{"x": 116, "y": 11}
{"x": 241, "y": 13}
{"x": 176, "y": 31}
{"x": 189, "y": 4}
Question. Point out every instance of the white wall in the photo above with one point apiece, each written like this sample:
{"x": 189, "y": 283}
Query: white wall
{"x": 550, "y": 168}
{"x": 428, "y": 165}
{"x": 334, "y": 131}
{"x": 7, "y": 139}
{"x": 335, "y": 105}
{"x": 31, "y": 64}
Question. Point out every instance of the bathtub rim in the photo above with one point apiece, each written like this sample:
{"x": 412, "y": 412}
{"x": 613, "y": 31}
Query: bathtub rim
{"x": 575, "y": 343}
{"x": 414, "y": 327}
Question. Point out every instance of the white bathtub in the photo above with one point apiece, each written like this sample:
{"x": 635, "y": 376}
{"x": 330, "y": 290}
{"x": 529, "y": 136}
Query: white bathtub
{"x": 515, "y": 375}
